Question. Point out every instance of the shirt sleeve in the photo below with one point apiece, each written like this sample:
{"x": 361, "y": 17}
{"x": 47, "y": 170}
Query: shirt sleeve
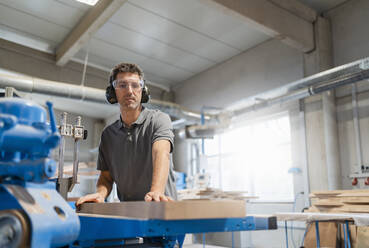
{"x": 163, "y": 129}
{"x": 101, "y": 161}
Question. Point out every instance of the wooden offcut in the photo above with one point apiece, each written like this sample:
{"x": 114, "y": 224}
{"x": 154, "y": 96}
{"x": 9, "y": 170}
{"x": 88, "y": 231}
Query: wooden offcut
{"x": 191, "y": 209}
{"x": 213, "y": 194}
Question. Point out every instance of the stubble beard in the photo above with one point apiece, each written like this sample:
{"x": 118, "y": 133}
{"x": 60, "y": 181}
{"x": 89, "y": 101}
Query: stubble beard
{"x": 130, "y": 105}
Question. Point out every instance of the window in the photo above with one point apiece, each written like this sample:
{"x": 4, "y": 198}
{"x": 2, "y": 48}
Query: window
{"x": 254, "y": 158}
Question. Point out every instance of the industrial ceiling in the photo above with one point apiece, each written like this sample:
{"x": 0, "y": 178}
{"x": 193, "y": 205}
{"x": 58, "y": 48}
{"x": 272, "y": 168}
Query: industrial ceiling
{"x": 172, "y": 40}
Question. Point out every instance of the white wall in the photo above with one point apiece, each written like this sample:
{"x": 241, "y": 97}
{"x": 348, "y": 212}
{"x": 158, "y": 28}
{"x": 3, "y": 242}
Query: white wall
{"x": 350, "y": 31}
{"x": 347, "y": 136}
{"x": 264, "y": 67}
{"x": 351, "y": 42}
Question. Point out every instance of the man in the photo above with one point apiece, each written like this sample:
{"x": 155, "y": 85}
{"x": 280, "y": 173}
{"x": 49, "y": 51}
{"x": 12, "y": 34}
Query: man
{"x": 134, "y": 151}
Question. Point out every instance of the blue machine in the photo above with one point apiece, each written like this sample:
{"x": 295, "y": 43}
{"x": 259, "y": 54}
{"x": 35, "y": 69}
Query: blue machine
{"x": 180, "y": 180}
{"x": 33, "y": 214}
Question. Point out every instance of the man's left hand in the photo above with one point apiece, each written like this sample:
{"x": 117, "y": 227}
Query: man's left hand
{"x": 157, "y": 196}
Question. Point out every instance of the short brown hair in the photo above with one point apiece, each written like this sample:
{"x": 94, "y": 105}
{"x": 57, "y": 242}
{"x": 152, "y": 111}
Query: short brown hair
{"x": 126, "y": 67}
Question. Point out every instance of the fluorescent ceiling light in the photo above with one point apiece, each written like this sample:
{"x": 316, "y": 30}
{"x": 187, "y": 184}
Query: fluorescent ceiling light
{"x": 89, "y": 2}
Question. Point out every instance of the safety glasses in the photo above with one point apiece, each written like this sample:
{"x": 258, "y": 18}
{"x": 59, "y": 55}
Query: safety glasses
{"x": 123, "y": 85}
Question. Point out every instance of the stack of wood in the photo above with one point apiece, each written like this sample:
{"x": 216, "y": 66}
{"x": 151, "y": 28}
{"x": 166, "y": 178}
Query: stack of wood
{"x": 213, "y": 194}
{"x": 340, "y": 201}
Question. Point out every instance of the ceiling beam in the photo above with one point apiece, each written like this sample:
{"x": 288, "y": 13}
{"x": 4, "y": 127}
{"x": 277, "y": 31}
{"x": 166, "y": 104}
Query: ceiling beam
{"x": 271, "y": 19}
{"x": 85, "y": 29}
{"x": 297, "y": 8}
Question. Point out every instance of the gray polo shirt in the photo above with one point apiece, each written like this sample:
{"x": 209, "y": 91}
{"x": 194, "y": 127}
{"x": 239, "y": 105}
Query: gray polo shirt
{"x": 127, "y": 154}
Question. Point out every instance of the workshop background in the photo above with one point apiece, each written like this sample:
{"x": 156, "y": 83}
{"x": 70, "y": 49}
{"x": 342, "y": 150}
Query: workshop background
{"x": 207, "y": 63}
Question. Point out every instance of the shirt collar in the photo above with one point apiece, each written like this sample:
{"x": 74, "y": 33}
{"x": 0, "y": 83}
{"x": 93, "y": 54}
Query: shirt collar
{"x": 141, "y": 118}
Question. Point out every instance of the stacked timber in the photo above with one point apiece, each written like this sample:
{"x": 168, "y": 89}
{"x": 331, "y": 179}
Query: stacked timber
{"x": 340, "y": 201}
{"x": 213, "y": 194}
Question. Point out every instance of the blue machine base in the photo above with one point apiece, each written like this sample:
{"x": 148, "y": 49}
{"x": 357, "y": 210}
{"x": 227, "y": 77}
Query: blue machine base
{"x": 102, "y": 231}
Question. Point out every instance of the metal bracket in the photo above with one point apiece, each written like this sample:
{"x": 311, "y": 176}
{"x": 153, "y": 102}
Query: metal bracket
{"x": 77, "y": 132}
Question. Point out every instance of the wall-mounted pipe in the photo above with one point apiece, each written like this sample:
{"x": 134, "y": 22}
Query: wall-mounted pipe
{"x": 355, "y": 116}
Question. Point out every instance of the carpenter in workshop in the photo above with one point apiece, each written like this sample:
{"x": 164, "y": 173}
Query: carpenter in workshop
{"x": 135, "y": 151}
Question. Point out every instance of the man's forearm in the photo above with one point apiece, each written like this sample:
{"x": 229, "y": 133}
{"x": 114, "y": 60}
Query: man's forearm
{"x": 160, "y": 172}
{"x": 161, "y": 160}
{"x": 104, "y": 185}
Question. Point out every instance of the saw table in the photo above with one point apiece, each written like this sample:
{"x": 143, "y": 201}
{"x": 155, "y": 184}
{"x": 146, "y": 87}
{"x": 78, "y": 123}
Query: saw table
{"x": 107, "y": 231}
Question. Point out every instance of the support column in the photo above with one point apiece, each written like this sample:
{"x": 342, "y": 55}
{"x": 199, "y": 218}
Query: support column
{"x": 331, "y": 141}
{"x": 329, "y": 163}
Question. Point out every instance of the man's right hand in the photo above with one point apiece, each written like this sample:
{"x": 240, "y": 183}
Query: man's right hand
{"x": 96, "y": 197}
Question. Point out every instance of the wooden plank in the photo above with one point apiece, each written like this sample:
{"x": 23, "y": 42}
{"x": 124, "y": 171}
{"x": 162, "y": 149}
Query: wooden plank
{"x": 191, "y": 209}
{"x": 344, "y": 209}
{"x": 356, "y": 200}
{"x": 340, "y": 201}
{"x": 328, "y": 204}
{"x": 213, "y": 194}
{"x": 340, "y": 191}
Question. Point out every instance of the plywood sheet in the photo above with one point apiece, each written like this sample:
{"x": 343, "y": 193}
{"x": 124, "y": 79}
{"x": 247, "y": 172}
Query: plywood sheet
{"x": 190, "y": 209}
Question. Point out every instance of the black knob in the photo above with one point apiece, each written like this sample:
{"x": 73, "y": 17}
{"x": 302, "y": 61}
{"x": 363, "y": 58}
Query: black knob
{"x": 85, "y": 134}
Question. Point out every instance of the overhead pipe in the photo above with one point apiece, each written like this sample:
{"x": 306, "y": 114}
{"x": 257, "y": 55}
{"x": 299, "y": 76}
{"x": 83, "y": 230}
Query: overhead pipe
{"x": 304, "y": 88}
{"x": 36, "y": 85}
{"x": 29, "y": 84}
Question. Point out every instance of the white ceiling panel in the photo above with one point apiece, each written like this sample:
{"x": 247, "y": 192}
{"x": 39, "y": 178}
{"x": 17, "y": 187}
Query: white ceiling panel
{"x": 27, "y": 39}
{"x": 107, "y": 64}
{"x": 102, "y": 62}
{"x": 30, "y": 24}
{"x": 197, "y": 16}
{"x": 167, "y": 31}
{"x": 51, "y": 11}
{"x": 152, "y": 48}
{"x": 119, "y": 54}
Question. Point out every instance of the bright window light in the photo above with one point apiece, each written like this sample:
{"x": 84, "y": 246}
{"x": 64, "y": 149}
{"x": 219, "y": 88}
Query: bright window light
{"x": 89, "y": 2}
{"x": 254, "y": 158}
